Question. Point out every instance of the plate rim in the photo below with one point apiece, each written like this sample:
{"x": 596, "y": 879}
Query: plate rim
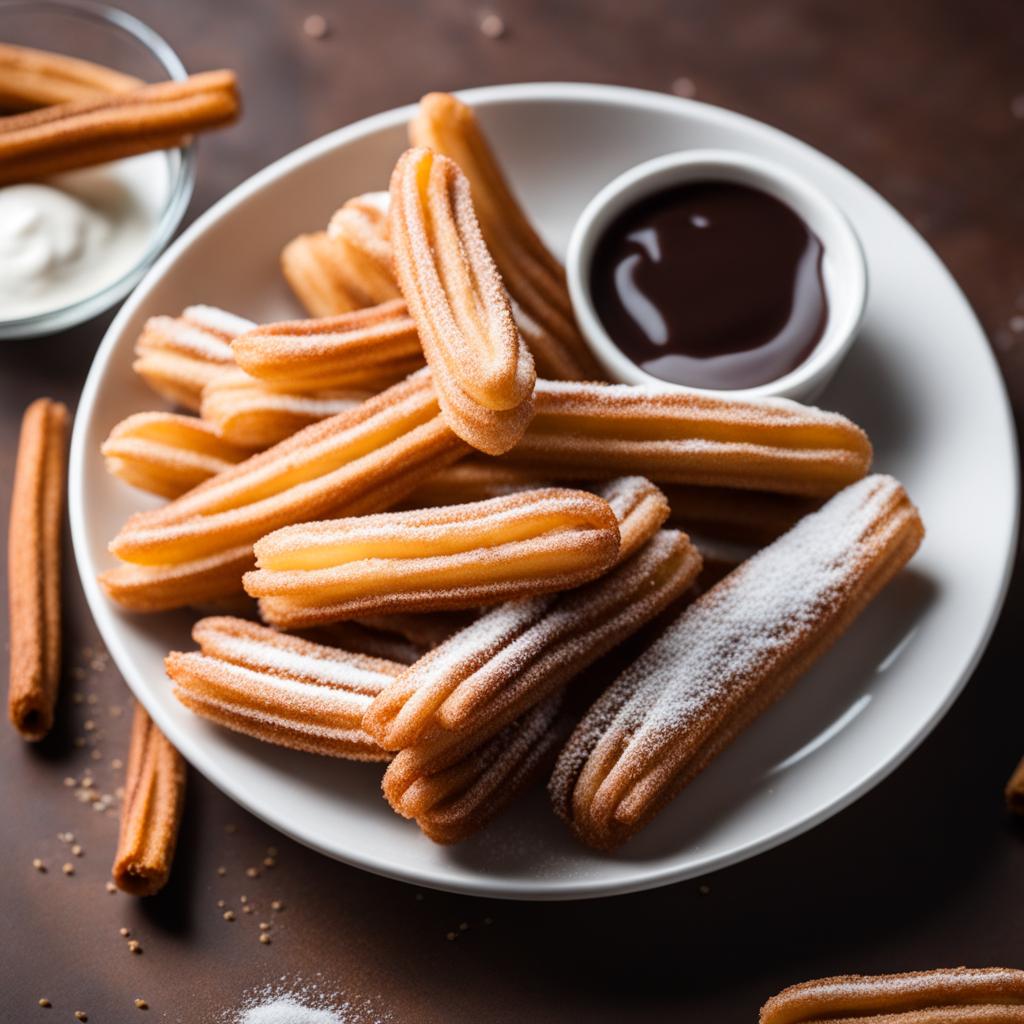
{"x": 564, "y": 889}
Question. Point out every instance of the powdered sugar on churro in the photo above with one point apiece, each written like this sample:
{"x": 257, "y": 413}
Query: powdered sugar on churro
{"x": 219, "y": 321}
{"x": 730, "y": 637}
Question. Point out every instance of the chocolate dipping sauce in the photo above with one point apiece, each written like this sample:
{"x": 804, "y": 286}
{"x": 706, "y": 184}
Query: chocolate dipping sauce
{"x": 711, "y": 284}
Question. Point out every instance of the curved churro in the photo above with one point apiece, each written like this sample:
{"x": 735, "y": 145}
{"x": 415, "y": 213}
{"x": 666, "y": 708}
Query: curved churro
{"x": 166, "y": 453}
{"x": 178, "y": 356}
{"x": 367, "y": 349}
{"x": 953, "y": 995}
{"x": 154, "y": 798}
{"x": 33, "y": 567}
{"x": 727, "y": 657}
{"x": 245, "y": 411}
{"x": 461, "y": 556}
{"x": 38, "y": 78}
{"x": 354, "y": 461}
{"x": 590, "y": 431}
{"x": 280, "y": 689}
{"x": 534, "y": 278}
{"x": 513, "y": 657}
{"x": 90, "y": 131}
{"x": 482, "y": 369}
{"x": 310, "y": 266}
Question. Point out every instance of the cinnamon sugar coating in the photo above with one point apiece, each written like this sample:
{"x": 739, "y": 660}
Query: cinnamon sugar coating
{"x": 177, "y": 356}
{"x": 281, "y": 689}
{"x": 153, "y": 802}
{"x": 482, "y": 369}
{"x": 366, "y": 349}
{"x": 534, "y": 278}
{"x": 954, "y": 995}
{"x": 167, "y": 453}
{"x": 34, "y": 538}
{"x": 459, "y": 556}
{"x": 591, "y": 431}
{"x": 727, "y": 657}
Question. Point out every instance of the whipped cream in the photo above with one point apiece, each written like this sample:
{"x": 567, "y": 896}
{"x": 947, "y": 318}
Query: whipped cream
{"x": 74, "y": 235}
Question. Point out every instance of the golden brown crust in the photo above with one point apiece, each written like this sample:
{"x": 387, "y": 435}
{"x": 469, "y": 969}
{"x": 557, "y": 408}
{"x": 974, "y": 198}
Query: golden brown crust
{"x": 250, "y": 413}
{"x": 482, "y": 369}
{"x": 154, "y": 799}
{"x": 85, "y": 132}
{"x": 281, "y": 689}
{"x": 166, "y": 453}
{"x": 177, "y": 356}
{"x": 33, "y": 566}
{"x": 460, "y": 556}
{"x": 366, "y": 349}
{"x": 534, "y": 278}
{"x": 38, "y": 78}
{"x": 593, "y": 431}
{"x": 730, "y": 655}
{"x": 989, "y": 995}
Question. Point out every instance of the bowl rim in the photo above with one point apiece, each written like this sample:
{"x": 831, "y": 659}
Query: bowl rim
{"x": 838, "y": 236}
{"x": 182, "y": 171}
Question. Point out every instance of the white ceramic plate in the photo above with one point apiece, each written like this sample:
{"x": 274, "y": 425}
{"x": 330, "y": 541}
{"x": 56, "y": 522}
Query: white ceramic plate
{"x": 920, "y": 379}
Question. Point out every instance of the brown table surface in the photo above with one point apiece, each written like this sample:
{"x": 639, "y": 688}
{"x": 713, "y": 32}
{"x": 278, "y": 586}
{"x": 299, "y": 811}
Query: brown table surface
{"x": 917, "y": 97}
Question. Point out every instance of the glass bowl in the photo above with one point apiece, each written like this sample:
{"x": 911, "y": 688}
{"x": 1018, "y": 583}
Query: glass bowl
{"x": 93, "y": 31}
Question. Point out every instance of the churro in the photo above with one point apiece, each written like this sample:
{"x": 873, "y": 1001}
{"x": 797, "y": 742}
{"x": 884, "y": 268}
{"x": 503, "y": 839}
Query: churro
{"x": 733, "y": 652}
{"x": 460, "y": 556}
{"x": 482, "y": 369}
{"x": 359, "y": 234}
{"x": 33, "y": 568}
{"x": 166, "y": 453}
{"x": 952, "y": 995}
{"x": 591, "y": 431}
{"x": 246, "y": 411}
{"x": 38, "y": 78}
{"x": 178, "y": 356}
{"x": 453, "y": 801}
{"x": 534, "y": 278}
{"x": 1015, "y": 790}
{"x": 473, "y": 479}
{"x": 513, "y": 657}
{"x": 81, "y": 133}
{"x": 366, "y": 349}
{"x": 359, "y": 461}
{"x": 310, "y": 266}
{"x": 154, "y": 797}
{"x": 281, "y": 689}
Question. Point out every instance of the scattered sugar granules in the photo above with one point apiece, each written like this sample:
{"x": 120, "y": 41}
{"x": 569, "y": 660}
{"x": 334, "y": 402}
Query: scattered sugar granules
{"x": 303, "y": 1004}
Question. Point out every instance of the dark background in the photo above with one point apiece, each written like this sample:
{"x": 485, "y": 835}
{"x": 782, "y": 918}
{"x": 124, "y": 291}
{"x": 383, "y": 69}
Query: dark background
{"x": 925, "y": 100}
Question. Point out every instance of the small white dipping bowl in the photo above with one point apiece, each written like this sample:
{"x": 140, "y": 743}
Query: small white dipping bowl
{"x": 843, "y": 268}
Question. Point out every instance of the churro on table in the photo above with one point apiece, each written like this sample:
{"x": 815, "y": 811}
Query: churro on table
{"x": 154, "y": 797}
{"x": 34, "y": 567}
{"x": 483, "y": 371}
{"x": 952, "y": 995}
{"x": 731, "y": 654}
